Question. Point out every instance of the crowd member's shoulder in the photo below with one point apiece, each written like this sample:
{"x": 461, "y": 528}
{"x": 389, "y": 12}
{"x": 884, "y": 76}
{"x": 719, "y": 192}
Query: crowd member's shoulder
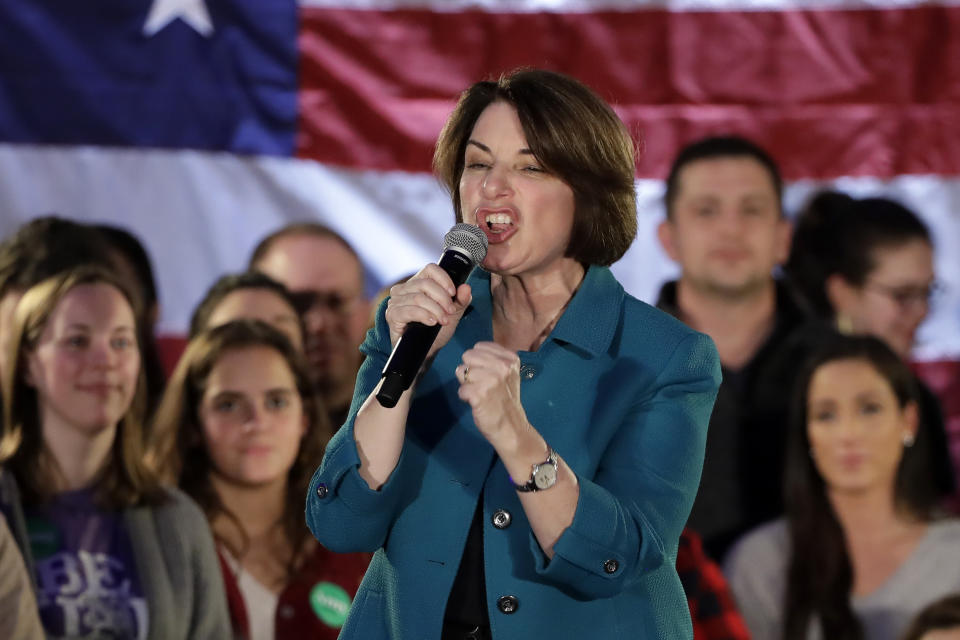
{"x": 756, "y": 570}
{"x": 712, "y": 606}
{"x": 18, "y": 608}
{"x": 766, "y": 545}
{"x": 178, "y": 525}
{"x": 792, "y": 310}
{"x": 946, "y": 528}
{"x": 177, "y": 509}
{"x": 781, "y": 364}
{"x": 178, "y": 528}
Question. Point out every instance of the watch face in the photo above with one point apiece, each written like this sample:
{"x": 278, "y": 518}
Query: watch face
{"x": 545, "y": 476}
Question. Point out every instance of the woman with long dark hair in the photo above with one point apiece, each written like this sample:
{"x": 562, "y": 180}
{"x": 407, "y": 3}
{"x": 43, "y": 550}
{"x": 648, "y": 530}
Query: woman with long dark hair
{"x": 861, "y": 549}
{"x": 241, "y": 430}
{"x": 864, "y": 266}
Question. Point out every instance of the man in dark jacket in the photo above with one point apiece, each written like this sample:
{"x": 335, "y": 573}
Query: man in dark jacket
{"x": 725, "y": 227}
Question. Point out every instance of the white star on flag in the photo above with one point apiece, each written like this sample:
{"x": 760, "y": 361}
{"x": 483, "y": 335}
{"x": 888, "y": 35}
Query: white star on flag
{"x": 193, "y": 12}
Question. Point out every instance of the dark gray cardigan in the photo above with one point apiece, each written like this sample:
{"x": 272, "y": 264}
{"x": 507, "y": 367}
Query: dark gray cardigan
{"x": 175, "y": 559}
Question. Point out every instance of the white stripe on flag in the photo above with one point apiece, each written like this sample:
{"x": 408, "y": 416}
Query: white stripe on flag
{"x": 200, "y": 215}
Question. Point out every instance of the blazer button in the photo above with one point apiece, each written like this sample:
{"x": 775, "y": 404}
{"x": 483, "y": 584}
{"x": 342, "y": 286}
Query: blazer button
{"x": 501, "y": 518}
{"x": 321, "y": 491}
{"x": 508, "y": 604}
{"x": 611, "y": 566}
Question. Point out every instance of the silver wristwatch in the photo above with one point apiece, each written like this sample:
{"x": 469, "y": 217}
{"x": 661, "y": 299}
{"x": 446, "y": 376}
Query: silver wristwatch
{"x": 543, "y": 476}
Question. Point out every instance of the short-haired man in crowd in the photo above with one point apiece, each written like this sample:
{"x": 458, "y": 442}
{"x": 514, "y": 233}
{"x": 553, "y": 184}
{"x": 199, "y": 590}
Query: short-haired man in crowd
{"x": 326, "y": 278}
{"x": 725, "y": 227}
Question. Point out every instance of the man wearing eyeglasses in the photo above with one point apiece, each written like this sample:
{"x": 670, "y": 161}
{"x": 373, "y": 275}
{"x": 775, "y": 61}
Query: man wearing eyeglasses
{"x": 326, "y": 278}
{"x": 726, "y": 230}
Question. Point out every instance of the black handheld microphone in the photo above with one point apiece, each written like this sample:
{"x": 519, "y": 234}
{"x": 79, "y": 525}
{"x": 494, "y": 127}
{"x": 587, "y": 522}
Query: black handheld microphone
{"x": 464, "y": 247}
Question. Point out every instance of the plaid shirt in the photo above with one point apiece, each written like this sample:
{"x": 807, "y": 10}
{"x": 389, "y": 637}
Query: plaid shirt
{"x": 712, "y": 608}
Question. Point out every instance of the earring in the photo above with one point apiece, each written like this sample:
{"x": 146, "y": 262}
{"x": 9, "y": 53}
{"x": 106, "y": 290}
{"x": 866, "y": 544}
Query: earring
{"x": 844, "y": 324}
{"x": 908, "y": 439}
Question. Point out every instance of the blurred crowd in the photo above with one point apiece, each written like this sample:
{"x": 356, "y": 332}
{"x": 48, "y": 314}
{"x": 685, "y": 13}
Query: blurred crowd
{"x": 139, "y": 499}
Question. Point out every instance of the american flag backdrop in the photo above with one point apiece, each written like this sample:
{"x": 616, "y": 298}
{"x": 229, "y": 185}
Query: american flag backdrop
{"x": 202, "y": 125}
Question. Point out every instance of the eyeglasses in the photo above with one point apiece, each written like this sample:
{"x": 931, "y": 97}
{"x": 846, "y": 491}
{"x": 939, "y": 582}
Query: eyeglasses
{"x": 906, "y": 296}
{"x": 335, "y": 303}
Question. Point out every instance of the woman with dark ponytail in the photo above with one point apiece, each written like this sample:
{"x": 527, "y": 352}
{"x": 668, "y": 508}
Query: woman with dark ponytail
{"x": 864, "y": 266}
{"x": 862, "y": 548}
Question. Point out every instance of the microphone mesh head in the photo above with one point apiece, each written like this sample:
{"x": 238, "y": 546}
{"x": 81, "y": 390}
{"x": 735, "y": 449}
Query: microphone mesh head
{"x": 469, "y": 238}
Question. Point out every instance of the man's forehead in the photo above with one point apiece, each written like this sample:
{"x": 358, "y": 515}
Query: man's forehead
{"x": 310, "y": 262}
{"x": 726, "y": 176}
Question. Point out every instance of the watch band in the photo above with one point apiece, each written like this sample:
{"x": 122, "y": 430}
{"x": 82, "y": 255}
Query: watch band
{"x": 542, "y": 476}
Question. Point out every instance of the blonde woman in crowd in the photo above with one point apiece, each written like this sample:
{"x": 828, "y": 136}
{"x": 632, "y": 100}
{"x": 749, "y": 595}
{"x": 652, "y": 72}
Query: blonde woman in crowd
{"x": 112, "y": 552}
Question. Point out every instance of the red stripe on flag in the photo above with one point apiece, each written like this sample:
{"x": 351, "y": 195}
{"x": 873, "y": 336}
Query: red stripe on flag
{"x": 853, "y": 92}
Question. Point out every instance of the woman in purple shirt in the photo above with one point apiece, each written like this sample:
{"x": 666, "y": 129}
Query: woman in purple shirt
{"x": 113, "y": 553}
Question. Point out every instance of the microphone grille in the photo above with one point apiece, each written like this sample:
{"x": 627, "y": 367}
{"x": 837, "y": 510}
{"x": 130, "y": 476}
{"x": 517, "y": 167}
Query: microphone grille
{"x": 469, "y": 238}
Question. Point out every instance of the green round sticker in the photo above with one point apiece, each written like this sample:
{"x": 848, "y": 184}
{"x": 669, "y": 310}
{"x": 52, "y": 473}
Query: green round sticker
{"x": 331, "y": 603}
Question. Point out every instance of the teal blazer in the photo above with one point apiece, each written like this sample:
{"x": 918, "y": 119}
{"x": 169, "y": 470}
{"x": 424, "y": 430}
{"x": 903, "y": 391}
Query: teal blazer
{"x": 622, "y": 391}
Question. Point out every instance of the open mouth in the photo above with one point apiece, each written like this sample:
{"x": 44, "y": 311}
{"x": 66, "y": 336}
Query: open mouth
{"x": 498, "y": 223}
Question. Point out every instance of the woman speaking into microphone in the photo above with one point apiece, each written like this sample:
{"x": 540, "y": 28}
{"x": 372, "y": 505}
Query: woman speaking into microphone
{"x": 534, "y": 480}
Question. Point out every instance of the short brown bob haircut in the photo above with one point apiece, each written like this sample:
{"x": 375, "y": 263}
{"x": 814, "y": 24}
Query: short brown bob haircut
{"x": 126, "y": 480}
{"x": 576, "y": 136}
